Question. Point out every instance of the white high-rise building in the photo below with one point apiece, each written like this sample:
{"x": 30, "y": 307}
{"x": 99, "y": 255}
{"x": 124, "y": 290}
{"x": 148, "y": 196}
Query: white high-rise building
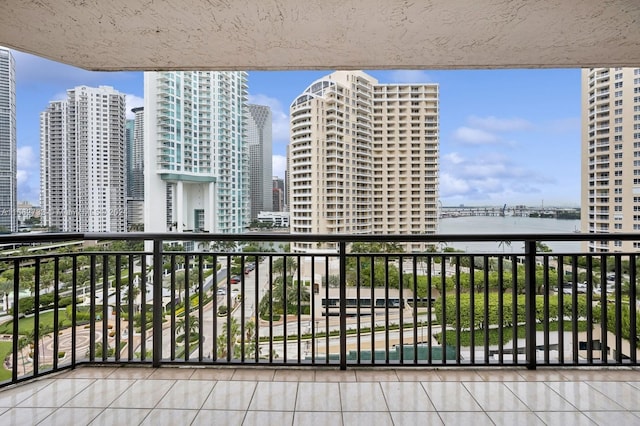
{"x": 363, "y": 158}
{"x": 196, "y": 158}
{"x": 8, "y": 158}
{"x": 610, "y": 156}
{"x": 259, "y": 140}
{"x": 82, "y": 171}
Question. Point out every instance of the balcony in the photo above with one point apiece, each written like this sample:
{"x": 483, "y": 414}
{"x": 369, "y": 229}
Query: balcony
{"x": 339, "y": 310}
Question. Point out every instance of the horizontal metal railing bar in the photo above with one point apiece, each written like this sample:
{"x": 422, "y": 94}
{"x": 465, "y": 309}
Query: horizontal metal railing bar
{"x": 201, "y": 236}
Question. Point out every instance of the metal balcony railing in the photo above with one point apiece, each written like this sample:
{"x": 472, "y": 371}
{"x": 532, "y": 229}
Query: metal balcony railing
{"x": 246, "y": 299}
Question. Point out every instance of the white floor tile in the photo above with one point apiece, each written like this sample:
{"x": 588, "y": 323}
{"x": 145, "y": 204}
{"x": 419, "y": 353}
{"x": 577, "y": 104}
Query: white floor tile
{"x": 494, "y": 396}
{"x": 584, "y": 397}
{"x": 120, "y": 416}
{"x": 56, "y": 394}
{"x": 71, "y": 416}
{"x": 143, "y": 394}
{"x": 318, "y": 397}
{"x": 274, "y": 396}
{"x": 450, "y": 396}
{"x": 100, "y": 393}
{"x": 219, "y": 417}
{"x": 268, "y": 418}
{"x": 230, "y": 396}
{"x": 539, "y": 397}
{"x": 354, "y": 418}
{"x": 170, "y": 417}
{"x": 406, "y": 396}
{"x": 187, "y": 394}
{"x": 365, "y": 396}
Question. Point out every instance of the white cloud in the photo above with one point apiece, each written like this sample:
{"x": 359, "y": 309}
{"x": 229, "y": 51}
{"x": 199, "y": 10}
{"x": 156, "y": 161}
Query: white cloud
{"x": 26, "y": 157}
{"x": 279, "y": 118}
{"x": 452, "y": 186}
{"x": 490, "y": 178}
{"x": 22, "y": 176}
{"x": 409, "y": 76}
{"x": 62, "y": 96}
{"x": 475, "y": 136}
{"x": 279, "y": 164}
{"x": 27, "y": 174}
{"x": 453, "y": 158}
{"x": 494, "y": 124}
{"x": 133, "y": 101}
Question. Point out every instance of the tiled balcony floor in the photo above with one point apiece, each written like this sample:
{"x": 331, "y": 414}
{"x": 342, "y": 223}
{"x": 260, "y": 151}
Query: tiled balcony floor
{"x": 227, "y": 396}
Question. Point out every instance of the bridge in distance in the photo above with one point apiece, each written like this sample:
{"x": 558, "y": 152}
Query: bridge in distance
{"x": 520, "y": 210}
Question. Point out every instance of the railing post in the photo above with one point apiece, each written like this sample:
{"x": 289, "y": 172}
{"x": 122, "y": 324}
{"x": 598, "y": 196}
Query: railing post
{"x": 530, "y": 303}
{"x": 157, "y": 302}
{"x": 343, "y": 305}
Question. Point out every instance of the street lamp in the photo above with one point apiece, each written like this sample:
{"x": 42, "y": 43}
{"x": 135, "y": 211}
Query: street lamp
{"x": 317, "y": 326}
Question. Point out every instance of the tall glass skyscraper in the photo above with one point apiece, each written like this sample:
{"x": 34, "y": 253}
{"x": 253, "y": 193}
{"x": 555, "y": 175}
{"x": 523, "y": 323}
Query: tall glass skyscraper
{"x": 259, "y": 140}
{"x": 8, "y": 158}
{"x": 135, "y": 170}
{"x": 196, "y": 158}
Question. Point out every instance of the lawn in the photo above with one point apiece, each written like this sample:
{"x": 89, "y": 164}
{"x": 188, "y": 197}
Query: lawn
{"x": 5, "y": 350}
{"x": 25, "y": 325}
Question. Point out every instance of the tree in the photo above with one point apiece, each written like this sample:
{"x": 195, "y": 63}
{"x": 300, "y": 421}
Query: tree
{"x": 504, "y": 244}
{"x": 542, "y": 247}
{"x": 279, "y": 266}
{"x": 194, "y": 327}
{"x": 23, "y": 342}
{"x": 44, "y": 331}
{"x": 6, "y": 286}
{"x": 236, "y": 341}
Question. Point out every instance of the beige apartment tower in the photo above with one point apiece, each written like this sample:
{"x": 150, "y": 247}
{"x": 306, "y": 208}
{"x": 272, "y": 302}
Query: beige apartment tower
{"x": 363, "y": 158}
{"x": 610, "y": 155}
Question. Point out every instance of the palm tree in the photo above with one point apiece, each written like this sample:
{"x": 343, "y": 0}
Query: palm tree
{"x": 44, "y": 331}
{"x": 6, "y": 286}
{"x": 23, "y": 342}
{"x": 234, "y": 331}
{"x": 194, "y": 327}
{"x": 504, "y": 244}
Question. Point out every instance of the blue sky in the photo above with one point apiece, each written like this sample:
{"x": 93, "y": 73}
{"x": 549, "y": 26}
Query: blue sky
{"x": 506, "y": 136}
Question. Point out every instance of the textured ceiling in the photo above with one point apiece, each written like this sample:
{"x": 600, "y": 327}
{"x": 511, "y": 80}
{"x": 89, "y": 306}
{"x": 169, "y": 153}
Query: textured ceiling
{"x": 324, "y": 34}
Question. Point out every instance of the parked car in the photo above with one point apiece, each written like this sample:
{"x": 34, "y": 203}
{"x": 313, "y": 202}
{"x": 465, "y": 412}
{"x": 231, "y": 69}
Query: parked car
{"x": 221, "y": 292}
{"x": 235, "y": 279}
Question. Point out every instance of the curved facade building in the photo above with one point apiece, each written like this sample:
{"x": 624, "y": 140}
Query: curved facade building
{"x": 610, "y": 155}
{"x": 363, "y": 158}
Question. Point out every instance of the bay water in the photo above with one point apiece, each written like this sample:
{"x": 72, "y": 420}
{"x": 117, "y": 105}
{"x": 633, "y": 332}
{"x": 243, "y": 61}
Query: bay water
{"x": 474, "y": 225}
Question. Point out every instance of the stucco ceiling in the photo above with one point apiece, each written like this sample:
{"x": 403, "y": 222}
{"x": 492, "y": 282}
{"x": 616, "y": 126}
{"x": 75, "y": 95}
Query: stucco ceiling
{"x": 324, "y": 34}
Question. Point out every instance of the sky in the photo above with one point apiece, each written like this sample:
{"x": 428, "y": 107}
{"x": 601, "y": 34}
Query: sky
{"x": 506, "y": 136}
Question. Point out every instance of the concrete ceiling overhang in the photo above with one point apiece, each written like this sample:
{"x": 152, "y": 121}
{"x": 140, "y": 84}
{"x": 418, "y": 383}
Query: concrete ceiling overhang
{"x": 324, "y": 34}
